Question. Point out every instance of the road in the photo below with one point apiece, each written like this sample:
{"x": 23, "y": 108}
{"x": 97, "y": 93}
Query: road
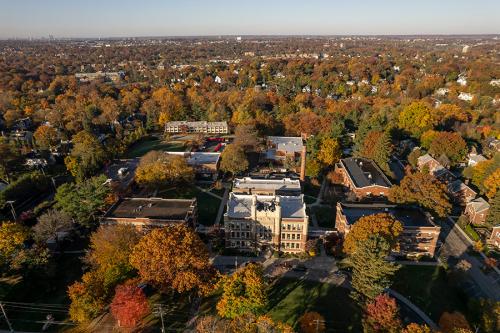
{"x": 455, "y": 248}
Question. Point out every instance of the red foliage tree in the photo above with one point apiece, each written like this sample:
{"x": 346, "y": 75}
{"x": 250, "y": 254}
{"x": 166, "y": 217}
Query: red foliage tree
{"x": 129, "y": 305}
{"x": 382, "y": 315}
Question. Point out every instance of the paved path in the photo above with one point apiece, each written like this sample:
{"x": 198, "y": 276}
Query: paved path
{"x": 223, "y": 203}
{"x": 320, "y": 194}
{"x": 415, "y": 309}
{"x": 208, "y": 192}
{"x": 456, "y": 246}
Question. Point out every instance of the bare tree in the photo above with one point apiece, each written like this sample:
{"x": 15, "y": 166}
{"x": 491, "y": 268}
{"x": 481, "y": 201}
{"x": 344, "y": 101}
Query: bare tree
{"x": 51, "y": 224}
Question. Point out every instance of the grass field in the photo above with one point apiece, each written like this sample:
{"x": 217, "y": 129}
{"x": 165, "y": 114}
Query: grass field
{"x": 325, "y": 216}
{"x": 429, "y": 288}
{"x": 208, "y": 205}
{"x": 141, "y": 147}
{"x": 291, "y": 298}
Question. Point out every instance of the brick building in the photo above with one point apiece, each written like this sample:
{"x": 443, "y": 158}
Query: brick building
{"x": 203, "y": 127}
{"x": 419, "y": 236}
{"x": 363, "y": 177}
{"x": 477, "y": 211}
{"x": 494, "y": 239}
{"x": 147, "y": 213}
{"x": 258, "y": 223}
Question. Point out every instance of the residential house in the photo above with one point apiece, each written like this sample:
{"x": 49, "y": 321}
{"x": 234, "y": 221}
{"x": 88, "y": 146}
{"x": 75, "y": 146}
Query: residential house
{"x": 147, "y": 213}
{"x": 363, "y": 177}
{"x": 465, "y": 96}
{"x": 477, "y": 211}
{"x": 418, "y": 238}
{"x": 474, "y": 159}
{"x": 287, "y": 149}
{"x": 461, "y": 193}
{"x": 260, "y": 223}
{"x": 494, "y": 239}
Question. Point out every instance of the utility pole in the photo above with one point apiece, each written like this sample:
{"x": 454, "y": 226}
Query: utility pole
{"x": 160, "y": 309}
{"x": 318, "y": 321}
{"x": 12, "y": 210}
{"x": 6, "y": 319}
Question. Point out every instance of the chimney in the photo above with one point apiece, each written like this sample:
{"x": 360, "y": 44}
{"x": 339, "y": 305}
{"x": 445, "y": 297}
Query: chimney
{"x": 303, "y": 164}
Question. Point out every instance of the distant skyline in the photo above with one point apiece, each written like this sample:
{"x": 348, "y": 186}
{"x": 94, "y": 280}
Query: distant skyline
{"x": 128, "y": 18}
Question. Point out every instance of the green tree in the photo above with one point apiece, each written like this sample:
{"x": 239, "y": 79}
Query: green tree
{"x": 87, "y": 155}
{"x": 7, "y": 163}
{"x": 233, "y": 159}
{"x": 82, "y": 201}
{"x": 494, "y": 213}
{"x": 424, "y": 190}
{"x": 371, "y": 272}
{"x": 378, "y": 147}
{"x": 243, "y": 292}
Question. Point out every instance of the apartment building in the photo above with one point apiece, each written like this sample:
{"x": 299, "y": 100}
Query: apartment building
{"x": 203, "y": 127}
{"x": 259, "y": 223}
{"x": 363, "y": 177}
{"x": 419, "y": 236}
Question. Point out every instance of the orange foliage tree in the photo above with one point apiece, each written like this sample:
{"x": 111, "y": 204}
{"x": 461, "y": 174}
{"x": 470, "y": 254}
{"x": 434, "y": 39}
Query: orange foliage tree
{"x": 449, "y": 322}
{"x": 382, "y": 224}
{"x": 174, "y": 257}
{"x": 382, "y": 315}
{"x": 422, "y": 189}
{"x": 312, "y": 322}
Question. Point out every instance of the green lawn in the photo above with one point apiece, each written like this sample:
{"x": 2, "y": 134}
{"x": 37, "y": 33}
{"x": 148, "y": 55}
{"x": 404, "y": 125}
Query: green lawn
{"x": 140, "y": 148}
{"x": 208, "y": 205}
{"x": 429, "y": 288}
{"x": 291, "y": 298}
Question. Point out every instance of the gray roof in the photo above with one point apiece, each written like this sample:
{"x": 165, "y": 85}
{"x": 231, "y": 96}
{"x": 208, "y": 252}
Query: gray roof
{"x": 364, "y": 172}
{"x": 278, "y": 185}
{"x": 287, "y": 143}
{"x": 240, "y": 205}
{"x": 479, "y": 204}
{"x": 457, "y": 186}
{"x": 152, "y": 208}
{"x": 408, "y": 216}
{"x": 197, "y": 157}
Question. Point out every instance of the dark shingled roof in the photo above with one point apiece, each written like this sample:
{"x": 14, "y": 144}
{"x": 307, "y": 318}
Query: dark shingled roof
{"x": 408, "y": 216}
{"x": 152, "y": 208}
{"x": 365, "y": 172}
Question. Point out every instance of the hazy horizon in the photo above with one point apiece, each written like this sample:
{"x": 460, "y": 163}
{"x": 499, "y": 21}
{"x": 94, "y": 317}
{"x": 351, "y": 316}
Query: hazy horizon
{"x": 191, "y": 18}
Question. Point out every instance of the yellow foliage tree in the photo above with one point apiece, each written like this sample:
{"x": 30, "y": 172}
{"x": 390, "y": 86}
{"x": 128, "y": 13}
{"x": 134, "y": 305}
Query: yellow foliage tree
{"x": 12, "y": 238}
{"x": 382, "y": 224}
{"x": 492, "y": 184}
{"x": 46, "y": 136}
{"x": 329, "y": 152}
{"x": 157, "y": 168}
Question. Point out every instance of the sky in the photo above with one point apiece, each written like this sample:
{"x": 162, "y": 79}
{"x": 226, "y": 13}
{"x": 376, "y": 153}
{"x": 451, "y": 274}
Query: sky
{"x": 135, "y": 18}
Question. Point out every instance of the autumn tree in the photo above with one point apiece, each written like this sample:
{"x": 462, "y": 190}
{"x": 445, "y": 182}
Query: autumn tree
{"x": 87, "y": 155}
{"x": 450, "y": 145}
{"x": 46, "y": 136}
{"x": 88, "y": 298}
{"x": 381, "y": 224}
{"x": 492, "y": 183}
{"x": 243, "y": 292}
{"x": 157, "y": 168}
{"x": 371, "y": 272}
{"x": 329, "y": 152}
{"x": 129, "y": 305}
{"x": 424, "y": 190}
{"x": 82, "y": 201}
{"x": 382, "y": 315}
{"x": 12, "y": 238}
{"x": 416, "y": 328}
{"x": 9, "y": 155}
{"x": 174, "y": 257}
{"x": 312, "y": 322}
{"x": 247, "y": 137}
{"x": 486, "y": 313}
{"x": 416, "y": 118}
{"x": 51, "y": 223}
{"x": 109, "y": 254}
{"x": 233, "y": 159}
{"x": 482, "y": 171}
{"x": 170, "y": 105}
{"x": 378, "y": 147}
{"x": 449, "y": 322}
{"x": 494, "y": 212}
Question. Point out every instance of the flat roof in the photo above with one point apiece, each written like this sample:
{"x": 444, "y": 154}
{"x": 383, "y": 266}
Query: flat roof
{"x": 287, "y": 143}
{"x": 197, "y": 123}
{"x": 408, "y": 216}
{"x": 365, "y": 172}
{"x": 197, "y": 157}
{"x": 240, "y": 205}
{"x": 285, "y": 184}
{"x": 151, "y": 208}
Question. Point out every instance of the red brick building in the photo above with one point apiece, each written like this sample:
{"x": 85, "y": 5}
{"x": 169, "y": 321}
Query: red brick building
{"x": 363, "y": 177}
{"x": 419, "y": 236}
{"x": 477, "y": 211}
